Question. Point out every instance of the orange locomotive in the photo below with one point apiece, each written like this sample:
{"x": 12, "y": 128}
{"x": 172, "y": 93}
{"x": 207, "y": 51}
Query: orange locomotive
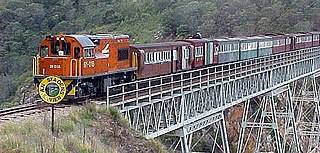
{"x": 84, "y": 63}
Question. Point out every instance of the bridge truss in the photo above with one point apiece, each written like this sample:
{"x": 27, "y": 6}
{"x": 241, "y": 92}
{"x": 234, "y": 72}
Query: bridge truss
{"x": 277, "y": 95}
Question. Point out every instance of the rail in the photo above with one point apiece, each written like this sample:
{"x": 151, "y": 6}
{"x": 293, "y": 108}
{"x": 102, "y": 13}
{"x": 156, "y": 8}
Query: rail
{"x": 24, "y": 110}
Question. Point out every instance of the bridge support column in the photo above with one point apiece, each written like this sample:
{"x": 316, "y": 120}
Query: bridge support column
{"x": 268, "y": 123}
{"x": 306, "y": 104}
{"x": 205, "y": 135}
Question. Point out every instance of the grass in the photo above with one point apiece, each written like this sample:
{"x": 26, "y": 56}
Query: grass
{"x": 89, "y": 129}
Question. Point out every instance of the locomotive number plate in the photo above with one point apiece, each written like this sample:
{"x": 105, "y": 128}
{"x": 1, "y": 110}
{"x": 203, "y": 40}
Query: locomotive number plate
{"x": 88, "y": 64}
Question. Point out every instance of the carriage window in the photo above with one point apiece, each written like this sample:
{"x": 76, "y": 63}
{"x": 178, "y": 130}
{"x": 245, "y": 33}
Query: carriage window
{"x": 261, "y": 44}
{"x": 174, "y": 55}
{"x": 186, "y": 54}
{"x": 288, "y": 41}
{"x": 156, "y": 57}
{"x": 198, "y": 51}
{"x": 309, "y": 39}
{"x": 43, "y": 51}
{"x": 299, "y": 40}
{"x": 150, "y": 58}
{"x": 254, "y": 45}
{"x": 159, "y": 56}
{"x": 146, "y": 58}
{"x": 122, "y": 54}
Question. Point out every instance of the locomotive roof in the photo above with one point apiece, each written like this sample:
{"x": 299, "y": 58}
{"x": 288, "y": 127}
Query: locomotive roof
{"x": 83, "y": 40}
{"x": 107, "y": 36}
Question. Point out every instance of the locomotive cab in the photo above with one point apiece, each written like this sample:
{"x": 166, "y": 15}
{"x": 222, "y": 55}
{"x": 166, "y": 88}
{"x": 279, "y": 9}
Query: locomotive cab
{"x": 63, "y": 55}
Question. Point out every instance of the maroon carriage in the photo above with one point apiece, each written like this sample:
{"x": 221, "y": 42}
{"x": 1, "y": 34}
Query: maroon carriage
{"x": 315, "y": 38}
{"x": 202, "y": 52}
{"x": 153, "y": 59}
{"x": 181, "y": 55}
{"x": 280, "y": 43}
{"x": 301, "y": 40}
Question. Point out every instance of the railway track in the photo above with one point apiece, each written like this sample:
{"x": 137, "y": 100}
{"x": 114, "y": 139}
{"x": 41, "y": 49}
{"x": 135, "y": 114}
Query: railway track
{"x": 26, "y": 110}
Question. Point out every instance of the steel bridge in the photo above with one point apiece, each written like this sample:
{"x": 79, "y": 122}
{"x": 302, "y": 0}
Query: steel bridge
{"x": 276, "y": 95}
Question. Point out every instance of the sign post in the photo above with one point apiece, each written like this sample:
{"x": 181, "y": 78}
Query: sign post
{"x": 52, "y": 118}
{"x": 52, "y": 90}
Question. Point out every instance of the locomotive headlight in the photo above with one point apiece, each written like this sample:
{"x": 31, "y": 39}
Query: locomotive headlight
{"x": 62, "y": 38}
{"x": 57, "y": 38}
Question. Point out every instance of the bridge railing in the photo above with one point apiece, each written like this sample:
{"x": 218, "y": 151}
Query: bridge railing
{"x": 133, "y": 93}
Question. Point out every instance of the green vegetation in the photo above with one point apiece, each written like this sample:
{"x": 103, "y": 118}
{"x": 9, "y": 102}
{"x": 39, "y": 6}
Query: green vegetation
{"x": 25, "y": 23}
{"x": 89, "y": 129}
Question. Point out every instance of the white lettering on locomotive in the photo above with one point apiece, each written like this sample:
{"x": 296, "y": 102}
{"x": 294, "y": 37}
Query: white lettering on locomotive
{"x": 88, "y": 64}
{"x": 55, "y": 66}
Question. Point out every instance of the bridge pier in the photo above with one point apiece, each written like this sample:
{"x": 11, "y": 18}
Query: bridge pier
{"x": 202, "y": 132}
{"x": 306, "y": 104}
{"x": 268, "y": 120}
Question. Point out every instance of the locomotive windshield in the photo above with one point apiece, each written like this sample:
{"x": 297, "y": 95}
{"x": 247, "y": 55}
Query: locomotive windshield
{"x": 60, "y": 48}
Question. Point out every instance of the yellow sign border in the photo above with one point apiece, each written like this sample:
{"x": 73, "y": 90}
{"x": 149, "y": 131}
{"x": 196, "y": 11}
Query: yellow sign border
{"x": 42, "y": 89}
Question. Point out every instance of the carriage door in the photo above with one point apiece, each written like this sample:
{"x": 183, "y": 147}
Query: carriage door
{"x": 208, "y": 53}
{"x": 184, "y": 57}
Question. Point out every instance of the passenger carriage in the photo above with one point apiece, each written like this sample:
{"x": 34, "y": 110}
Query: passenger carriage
{"x": 301, "y": 40}
{"x": 264, "y": 45}
{"x": 181, "y": 53}
{"x": 278, "y": 43}
{"x": 228, "y": 49}
{"x": 153, "y": 59}
{"x": 196, "y": 52}
{"x": 248, "y": 48}
{"x": 210, "y": 53}
{"x": 315, "y": 38}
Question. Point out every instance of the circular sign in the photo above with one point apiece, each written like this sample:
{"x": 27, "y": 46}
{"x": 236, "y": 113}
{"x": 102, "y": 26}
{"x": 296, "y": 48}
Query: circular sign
{"x": 52, "y": 90}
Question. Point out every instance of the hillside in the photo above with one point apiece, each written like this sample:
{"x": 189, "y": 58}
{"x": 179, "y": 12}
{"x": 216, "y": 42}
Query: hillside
{"x": 85, "y": 129}
{"x": 25, "y": 23}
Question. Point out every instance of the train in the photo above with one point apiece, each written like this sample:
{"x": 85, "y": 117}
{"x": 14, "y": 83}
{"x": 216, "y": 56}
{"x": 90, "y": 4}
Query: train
{"x": 77, "y": 66}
